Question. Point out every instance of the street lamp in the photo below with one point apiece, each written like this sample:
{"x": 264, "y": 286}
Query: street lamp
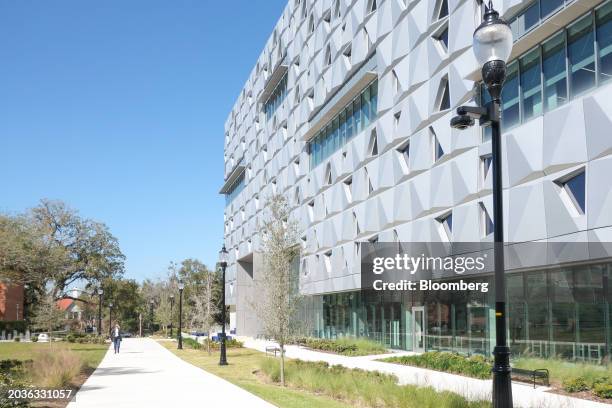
{"x": 110, "y": 319}
{"x": 181, "y": 286}
{"x": 492, "y": 44}
{"x": 100, "y": 293}
{"x": 171, "y": 314}
{"x": 223, "y": 264}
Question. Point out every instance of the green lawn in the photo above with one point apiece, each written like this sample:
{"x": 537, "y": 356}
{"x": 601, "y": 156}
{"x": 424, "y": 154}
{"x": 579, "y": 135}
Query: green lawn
{"x": 90, "y": 354}
{"x": 315, "y": 385}
{"x": 240, "y": 371}
{"x": 562, "y": 369}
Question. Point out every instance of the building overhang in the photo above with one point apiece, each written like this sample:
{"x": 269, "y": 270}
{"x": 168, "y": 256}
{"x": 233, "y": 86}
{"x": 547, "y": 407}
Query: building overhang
{"x": 236, "y": 172}
{"x": 277, "y": 74}
{"x": 338, "y": 101}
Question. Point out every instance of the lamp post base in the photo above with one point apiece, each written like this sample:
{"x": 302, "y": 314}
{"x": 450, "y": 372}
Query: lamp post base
{"x": 223, "y": 355}
{"x": 502, "y": 384}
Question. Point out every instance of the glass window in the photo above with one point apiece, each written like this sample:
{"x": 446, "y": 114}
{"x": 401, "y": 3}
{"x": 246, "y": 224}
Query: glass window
{"x": 373, "y": 100}
{"x": 547, "y": 7}
{"x": 581, "y": 53}
{"x": 530, "y": 84}
{"x": 555, "y": 74}
{"x": 357, "y": 114}
{"x": 528, "y": 19}
{"x": 510, "y": 97}
{"x": 349, "y": 122}
{"x": 342, "y": 131}
{"x": 575, "y": 188}
{"x": 604, "y": 41}
{"x": 365, "y": 108}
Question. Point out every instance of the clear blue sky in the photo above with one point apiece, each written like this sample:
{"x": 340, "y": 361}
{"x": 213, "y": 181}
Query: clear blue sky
{"x": 117, "y": 108}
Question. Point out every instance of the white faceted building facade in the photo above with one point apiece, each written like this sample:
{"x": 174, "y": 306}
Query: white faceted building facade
{"x": 346, "y": 112}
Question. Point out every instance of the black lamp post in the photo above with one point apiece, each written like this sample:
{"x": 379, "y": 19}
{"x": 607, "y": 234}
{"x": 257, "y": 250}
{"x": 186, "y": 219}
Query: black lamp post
{"x": 181, "y": 286}
{"x": 171, "y": 314}
{"x": 100, "y": 293}
{"x": 492, "y": 45}
{"x": 223, "y": 264}
{"x": 110, "y": 319}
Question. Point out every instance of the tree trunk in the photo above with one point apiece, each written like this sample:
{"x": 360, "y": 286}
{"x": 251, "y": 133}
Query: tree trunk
{"x": 282, "y": 364}
{"x": 208, "y": 342}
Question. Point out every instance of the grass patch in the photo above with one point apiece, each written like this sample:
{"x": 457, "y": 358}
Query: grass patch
{"x": 561, "y": 370}
{"x": 346, "y": 346}
{"x": 242, "y": 371}
{"x": 54, "y": 365}
{"x": 474, "y": 366}
{"x": 316, "y": 385}
{"x": 573, "y": 377}
{"x": 360, "y": 387}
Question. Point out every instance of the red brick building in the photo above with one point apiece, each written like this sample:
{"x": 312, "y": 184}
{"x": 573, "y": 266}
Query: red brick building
{"x": 11, "y": 302}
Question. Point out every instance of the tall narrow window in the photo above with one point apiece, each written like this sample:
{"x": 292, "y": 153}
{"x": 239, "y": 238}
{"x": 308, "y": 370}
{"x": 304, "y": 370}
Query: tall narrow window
{"x": 443, "y": 97}
{"x": 371, "y": 6}
{"x": 404, "y": 151}
{"x": 437, "y": 147}
{"x": 396, "y": 82}
{"x": 485, "y": 166}
{"x": 311, "y": 24}
{"x": 442, "y": 39}
{"x": 441, "y": 9}
{"x": 510, "y": 96}
{"x": 373, "y": 145}
{"x": 348, "y": 189}
{"x": 486, "y": 221}
{"x": 311, "y": 206}
{"x": 446, "y": 222}
{"x": 555, "y": 75}
{"x": 574, "y": 187}
{"x": 328, "y": 58}
{"x": 604, "y": 41}
{"x": 530, "y": 84}
{"x": 581, "y": 54}
{"x": 328, "y": 175}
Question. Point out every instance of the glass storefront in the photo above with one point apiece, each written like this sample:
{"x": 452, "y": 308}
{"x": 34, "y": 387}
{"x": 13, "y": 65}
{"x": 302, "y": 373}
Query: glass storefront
{"x": 562, "y": 312}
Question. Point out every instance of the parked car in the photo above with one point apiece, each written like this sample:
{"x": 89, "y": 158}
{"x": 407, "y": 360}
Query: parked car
{"x": 218, "y": 337}
{"x": 126, "y": 334}
{"x": 43, "y": 338}
{"x": 199, "y": 334}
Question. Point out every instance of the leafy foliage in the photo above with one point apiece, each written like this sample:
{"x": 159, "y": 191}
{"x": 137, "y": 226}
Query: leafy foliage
{"x": 474, "y": 366}
{"x": 345, "y": 346}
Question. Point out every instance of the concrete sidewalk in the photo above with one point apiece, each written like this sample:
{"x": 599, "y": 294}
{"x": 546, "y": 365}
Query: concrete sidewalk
{"x": 145, "y": 374}
{"x": 470, "y": 388}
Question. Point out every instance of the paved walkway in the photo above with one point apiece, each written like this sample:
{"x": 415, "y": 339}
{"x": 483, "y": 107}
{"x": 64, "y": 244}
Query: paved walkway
{"x": 470, "y": 388}
{"x": 145, "y": 374}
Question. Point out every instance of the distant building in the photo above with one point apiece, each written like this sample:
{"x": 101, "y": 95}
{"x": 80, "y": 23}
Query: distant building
{"x": 11, "y": 302}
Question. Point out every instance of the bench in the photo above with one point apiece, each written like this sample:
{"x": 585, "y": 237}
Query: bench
{"x": 272, "y": 349}
{"x": 533, "y": 375}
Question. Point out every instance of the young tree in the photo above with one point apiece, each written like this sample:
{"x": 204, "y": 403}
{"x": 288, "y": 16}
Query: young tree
{"x": 47, "y": 315}
{"x": 204, "y": 305}
{"x": 279, "y": 303}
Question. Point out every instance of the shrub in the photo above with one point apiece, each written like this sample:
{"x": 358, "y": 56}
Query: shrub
{"x": 55, "y": 368}
{"x": 12, "y": 376}
{"x": 575, "y": 384}
{"x": 191, "y": 343}
{"x": 16, "y": 325}
{"x": 474, "y": 366}
{"x": 17, "y": 339}
{"x": 345, "y": 346}
{"x": 361, "y": 388}
{"x": 603, "y": 390}
{"x": 34, "y": 339}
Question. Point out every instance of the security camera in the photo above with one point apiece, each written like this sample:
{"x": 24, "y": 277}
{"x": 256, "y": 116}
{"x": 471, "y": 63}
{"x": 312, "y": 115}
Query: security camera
{"x": 462, "y": 122}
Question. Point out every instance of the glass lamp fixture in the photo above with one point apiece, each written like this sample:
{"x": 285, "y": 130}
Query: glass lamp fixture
{"x": 492, "y": 45}
{"x": 100, "y": 291}
{"x": 181, "y": 285}
{"x": 223, "y": 257}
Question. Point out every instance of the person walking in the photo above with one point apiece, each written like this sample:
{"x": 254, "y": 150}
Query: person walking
{"x": 116, "y": 338}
